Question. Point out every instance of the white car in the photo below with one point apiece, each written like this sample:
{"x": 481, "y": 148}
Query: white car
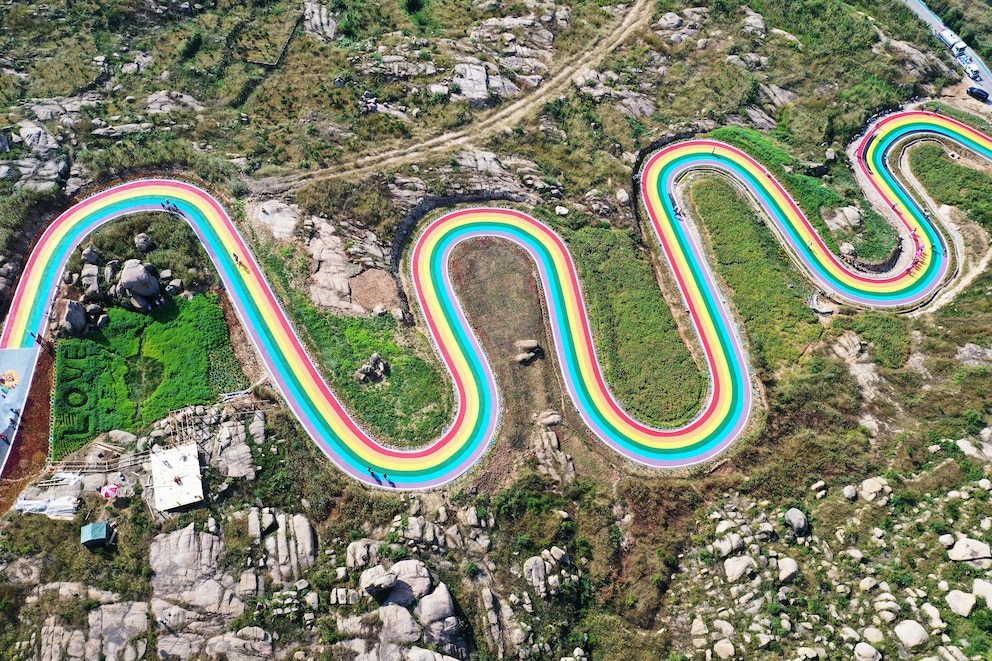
{"x": 973, "y": 72}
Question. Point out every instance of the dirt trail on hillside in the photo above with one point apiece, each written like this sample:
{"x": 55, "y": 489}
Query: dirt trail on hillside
{"x": 502, "y": 119}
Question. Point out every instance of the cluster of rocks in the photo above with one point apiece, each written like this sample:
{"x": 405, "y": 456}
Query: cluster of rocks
{"x": 497, "y": 57}
{"x": 925, "y": 66}
{"x": 290, "y": 543}
{"x": 548, "y": 576}
{"x": 413, "y": 608}
{"x": 757, "y": 596}
{"x": 510, "y": 622}
{"x": 317, "y": 21}
{"x": 113, "y": 632}
{"x": 192, "y": 602}
{"x": 135, "y": 285}
{"x": 503, "y": 54}
{"x": 973, "y": 355}
{"x": 539, "y": 572}
{"x": 375, "y": 370}
{"x": 227, "y": 448}
{"x": 551, "y": 460}
{"x": 598, "y": 203}
{"x": 676, "y": 30}
{"x": 399, "y": 58}
{"x": 844, "y": 219}
{"x": 195, "y": 600}
{"x": 165, "y": 101}
{"x": 606, "y": 85}
{"x": 368, "y": 103}
{"x": 50, "y": 123}
{"x": 43, "y": 167}
{"x": 348, "y": 265}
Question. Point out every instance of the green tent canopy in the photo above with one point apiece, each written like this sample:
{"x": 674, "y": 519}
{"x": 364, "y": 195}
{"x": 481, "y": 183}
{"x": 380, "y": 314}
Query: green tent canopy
{"x": 95, "y": 535}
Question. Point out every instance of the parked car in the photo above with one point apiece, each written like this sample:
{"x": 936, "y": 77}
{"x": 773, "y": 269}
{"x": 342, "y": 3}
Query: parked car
{"x": 978, "y": 93}
{"x": 973, "y": 71}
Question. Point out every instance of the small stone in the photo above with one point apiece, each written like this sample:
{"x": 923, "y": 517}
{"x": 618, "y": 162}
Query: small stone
{"x": 911, "y": 634}
{"x": 871, "y": 488}
{"x": 982, "y": 588}
{"x": 851, "y": 492}
{"x": 738, "y": 567}
{"x": 972, "y": 551}
{"x": 868, "y": 583}
{"x": 787, "y": 570}
{"x": 724, "y": 649}
{"x": 90, "y": 255}
{"x": 797, "y": 521}
{"x": 960, "y": 602}
{"x": 143, "y": 242}
{"x": 873, "y": 635}
{"x": 865, "y": 652}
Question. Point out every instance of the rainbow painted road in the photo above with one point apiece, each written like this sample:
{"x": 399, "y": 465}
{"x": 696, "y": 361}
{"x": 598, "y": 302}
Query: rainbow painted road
{"x": 723, "y": 417}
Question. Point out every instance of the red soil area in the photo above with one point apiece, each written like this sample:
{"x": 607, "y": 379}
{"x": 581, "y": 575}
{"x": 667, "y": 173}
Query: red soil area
{"x": 30, "y": 451}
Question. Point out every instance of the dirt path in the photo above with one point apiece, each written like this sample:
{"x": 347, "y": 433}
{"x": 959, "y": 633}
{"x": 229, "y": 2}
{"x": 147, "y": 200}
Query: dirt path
{"x": 503, "y": 118}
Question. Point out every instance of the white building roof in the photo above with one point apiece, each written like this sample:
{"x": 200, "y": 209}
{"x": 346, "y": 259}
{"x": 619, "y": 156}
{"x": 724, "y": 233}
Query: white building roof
{"x": 176, "y": 477}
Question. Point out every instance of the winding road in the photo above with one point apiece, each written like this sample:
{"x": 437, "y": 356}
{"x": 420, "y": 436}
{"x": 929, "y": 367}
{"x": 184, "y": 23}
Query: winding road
{"x": 722, "y": 419}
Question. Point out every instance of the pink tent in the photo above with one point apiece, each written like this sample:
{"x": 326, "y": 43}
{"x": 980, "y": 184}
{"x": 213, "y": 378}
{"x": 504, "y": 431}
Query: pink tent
{"x": 109, "y": 491}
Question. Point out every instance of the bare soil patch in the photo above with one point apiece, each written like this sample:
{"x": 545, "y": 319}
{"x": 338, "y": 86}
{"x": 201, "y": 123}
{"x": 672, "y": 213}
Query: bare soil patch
{"x": 244, "y": 350}
{"x": 30, "y": 451}
{"x": 373, "y": 288}
{"x": 498, "y": 288}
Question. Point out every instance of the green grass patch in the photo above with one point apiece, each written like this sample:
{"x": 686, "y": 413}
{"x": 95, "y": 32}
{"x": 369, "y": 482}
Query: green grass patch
{"x": 646, "y": 362}
{"x": 950, "y": 183}
{"x": 155, "y": 150}
{"x": 888, "y": 335}
{"x": 960, "y": 115}
{"x": 876, "y": 241}
{"x": 809, "y": 192}
{"x": 15, "y": 209}
{"x": 768, "y": 292}
{"x": 409, "y": 407}
{"x": 368, "y": 203}
{"x": 141, "y": 367}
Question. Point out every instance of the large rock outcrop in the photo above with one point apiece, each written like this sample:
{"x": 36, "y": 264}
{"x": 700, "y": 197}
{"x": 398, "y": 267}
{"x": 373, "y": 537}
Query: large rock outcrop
{"x": 290, "y": 542}
{"x": 136, "y": 280}
{"x": 184, "y": 569}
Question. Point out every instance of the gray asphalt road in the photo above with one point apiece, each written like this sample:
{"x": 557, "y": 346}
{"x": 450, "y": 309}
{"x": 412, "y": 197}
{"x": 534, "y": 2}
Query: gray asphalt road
{"x": 936, "y": 25}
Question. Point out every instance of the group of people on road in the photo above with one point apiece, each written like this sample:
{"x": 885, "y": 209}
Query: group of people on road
{"x": 385, "y": 478}
{"x": 172, "y": 208}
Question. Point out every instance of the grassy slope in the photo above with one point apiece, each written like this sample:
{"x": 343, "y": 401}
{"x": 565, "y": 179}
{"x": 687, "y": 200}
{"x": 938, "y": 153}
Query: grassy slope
{"x": 768, "y": 292}
{"x": 953, "y": 184}
{"x": 408, "y": 408}
{"x": 646, "y": 362}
